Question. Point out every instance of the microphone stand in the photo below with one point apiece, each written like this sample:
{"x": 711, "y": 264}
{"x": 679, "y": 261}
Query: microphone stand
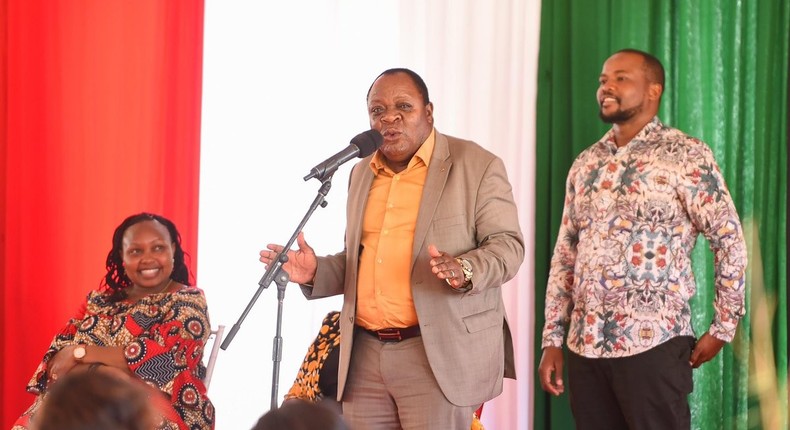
{"x": 276, "y": 273}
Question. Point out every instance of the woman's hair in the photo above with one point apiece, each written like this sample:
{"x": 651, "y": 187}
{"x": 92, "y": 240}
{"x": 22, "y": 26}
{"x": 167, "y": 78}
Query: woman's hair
{"x": 95, "y": 401}
{"x": 116, "y": 279}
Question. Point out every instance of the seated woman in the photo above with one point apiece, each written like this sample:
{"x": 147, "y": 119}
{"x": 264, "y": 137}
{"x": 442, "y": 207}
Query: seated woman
{"x": 317, "y": 377}
{"x": 145, "y": 323}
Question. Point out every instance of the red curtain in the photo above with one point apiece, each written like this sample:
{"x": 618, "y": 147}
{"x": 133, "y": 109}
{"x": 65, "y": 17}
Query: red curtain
{"x": 99, "y": 119}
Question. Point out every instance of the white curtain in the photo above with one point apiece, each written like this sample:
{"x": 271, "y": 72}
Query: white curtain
{"x": 284, "y": 88}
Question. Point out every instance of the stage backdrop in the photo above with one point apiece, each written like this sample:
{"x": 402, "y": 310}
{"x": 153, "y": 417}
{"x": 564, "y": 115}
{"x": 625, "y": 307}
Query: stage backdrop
{"x": 284, "y": 88}
{"x": 100, "y": 104}
{"x": 726, "y": 64}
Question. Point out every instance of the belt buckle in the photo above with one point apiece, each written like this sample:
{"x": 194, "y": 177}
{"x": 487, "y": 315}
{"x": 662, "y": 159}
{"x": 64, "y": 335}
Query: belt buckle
{"x": 389, "y": 335}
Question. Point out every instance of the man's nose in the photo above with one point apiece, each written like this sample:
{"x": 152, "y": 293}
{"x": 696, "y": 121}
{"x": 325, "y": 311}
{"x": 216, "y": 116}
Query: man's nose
{"x": 390, "y": 116}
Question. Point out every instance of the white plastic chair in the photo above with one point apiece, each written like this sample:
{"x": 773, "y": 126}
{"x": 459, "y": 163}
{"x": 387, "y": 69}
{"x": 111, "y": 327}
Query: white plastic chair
{"x": 212, "y": 358}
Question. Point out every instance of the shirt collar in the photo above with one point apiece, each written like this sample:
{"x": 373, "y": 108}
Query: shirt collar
{"x": 423, "y": 154}
{"x": 642, "y": 136}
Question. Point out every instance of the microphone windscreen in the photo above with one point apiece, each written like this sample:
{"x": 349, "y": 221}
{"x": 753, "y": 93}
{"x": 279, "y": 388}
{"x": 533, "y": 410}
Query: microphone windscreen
{"x": 367, "y": 142}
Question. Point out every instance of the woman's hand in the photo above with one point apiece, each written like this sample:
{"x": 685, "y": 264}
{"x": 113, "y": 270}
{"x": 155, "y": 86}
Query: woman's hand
{"x": 109, "y": 358}
{"x": 102, "y": 368}
{"x": 61, "y": 363}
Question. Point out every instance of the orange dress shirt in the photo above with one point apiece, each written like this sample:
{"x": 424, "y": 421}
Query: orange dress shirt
{"x": 384, "y": 297}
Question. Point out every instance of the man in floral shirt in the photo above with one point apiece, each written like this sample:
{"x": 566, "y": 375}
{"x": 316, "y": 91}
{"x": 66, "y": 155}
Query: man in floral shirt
{"x": 621, "y": 278}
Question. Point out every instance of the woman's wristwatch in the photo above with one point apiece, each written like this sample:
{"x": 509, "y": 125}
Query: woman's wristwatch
{"x": 79, "y": 352}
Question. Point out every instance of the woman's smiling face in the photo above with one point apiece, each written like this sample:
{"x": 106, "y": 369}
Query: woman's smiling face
{"x": 147, "y": 254}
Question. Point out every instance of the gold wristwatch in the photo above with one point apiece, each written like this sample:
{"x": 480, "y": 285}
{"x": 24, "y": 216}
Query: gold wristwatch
{"x": 466, "y": 267}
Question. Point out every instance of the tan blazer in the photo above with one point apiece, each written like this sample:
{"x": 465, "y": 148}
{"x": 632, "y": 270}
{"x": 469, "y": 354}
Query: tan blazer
{"x": 467, "y": 210}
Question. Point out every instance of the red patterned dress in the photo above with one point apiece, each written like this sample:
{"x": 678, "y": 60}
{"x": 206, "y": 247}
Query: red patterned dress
{"x": 163, "y": 337}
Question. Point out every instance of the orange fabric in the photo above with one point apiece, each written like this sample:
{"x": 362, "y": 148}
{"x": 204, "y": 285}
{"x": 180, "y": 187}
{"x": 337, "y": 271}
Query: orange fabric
{"x": 384, "y": 285}
{"x": 102, "y": 120}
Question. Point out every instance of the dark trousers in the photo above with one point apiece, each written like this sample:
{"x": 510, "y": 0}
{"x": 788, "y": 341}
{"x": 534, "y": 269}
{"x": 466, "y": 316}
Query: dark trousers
{"x": 642, "y": 392}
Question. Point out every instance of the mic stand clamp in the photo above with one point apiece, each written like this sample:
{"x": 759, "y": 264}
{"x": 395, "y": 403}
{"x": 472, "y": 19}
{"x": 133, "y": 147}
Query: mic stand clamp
{"x": 275, "y": 273}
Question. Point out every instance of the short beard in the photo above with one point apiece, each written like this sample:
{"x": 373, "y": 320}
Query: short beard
{"x": 619, "y": 116}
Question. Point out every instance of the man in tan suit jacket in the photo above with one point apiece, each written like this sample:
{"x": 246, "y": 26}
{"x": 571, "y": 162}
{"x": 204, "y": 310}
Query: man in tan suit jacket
{"x": 466, "y": 243}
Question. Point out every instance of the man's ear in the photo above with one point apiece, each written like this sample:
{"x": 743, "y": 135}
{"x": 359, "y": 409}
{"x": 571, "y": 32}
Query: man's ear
{"x": 655, "y": 90}
{"x": 429, "y": 112}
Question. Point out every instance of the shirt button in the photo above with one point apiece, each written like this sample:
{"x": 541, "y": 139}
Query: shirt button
{"x": 396, "y": 177}
{"x": 386, "y": 232}
{"x": 379, "y": 261}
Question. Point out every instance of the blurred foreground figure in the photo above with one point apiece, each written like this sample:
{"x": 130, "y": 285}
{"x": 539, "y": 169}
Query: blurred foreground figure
{"x": 300, "y": 415}
{"x": 95, "y": 400}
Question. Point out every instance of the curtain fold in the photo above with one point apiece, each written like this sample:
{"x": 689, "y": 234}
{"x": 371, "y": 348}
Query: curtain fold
{"x": 727, "y": 64}
{"x": 100, "y": 105}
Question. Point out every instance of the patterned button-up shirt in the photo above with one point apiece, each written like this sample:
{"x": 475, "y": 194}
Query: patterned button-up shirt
{"x": 621, "y": 273}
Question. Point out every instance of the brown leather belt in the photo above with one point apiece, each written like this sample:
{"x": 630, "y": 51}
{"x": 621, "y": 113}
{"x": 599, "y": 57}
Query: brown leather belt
{"x": 394, "y": 334}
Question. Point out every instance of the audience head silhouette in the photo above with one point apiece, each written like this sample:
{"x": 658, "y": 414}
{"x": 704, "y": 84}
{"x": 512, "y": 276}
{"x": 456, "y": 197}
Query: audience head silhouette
{"x": 95, "y": 401}
{"x": 300, "y": 415}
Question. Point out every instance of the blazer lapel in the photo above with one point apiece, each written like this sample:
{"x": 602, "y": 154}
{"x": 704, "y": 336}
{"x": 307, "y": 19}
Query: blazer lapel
{"x": 358, "y": 188}
{"x": 431, "y": 192}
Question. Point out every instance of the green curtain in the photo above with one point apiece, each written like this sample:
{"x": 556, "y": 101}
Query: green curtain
{"x": 727, "y": 65}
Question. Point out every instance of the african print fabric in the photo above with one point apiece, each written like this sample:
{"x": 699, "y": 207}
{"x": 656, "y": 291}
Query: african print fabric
{"x": 163, "y": 336}
{"x": 621, "y": 274}
{"x": 306, "y": 386}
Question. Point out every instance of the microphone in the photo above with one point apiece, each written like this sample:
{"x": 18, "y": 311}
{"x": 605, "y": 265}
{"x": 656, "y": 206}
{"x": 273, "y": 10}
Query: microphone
{"x": 361, "y": 146}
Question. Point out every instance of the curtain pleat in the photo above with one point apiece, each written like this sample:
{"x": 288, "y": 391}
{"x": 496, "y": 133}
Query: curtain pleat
{"x": 727, "y": 64}
{"x": 101, "y": 119}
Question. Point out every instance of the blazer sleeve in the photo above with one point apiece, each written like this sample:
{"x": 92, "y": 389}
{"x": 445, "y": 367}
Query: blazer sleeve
{"x": 500, "y": 249}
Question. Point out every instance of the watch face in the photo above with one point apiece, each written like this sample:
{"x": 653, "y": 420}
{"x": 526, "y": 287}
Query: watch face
{"x": 79, "y": 352}
{"x": 466, "y": 266}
